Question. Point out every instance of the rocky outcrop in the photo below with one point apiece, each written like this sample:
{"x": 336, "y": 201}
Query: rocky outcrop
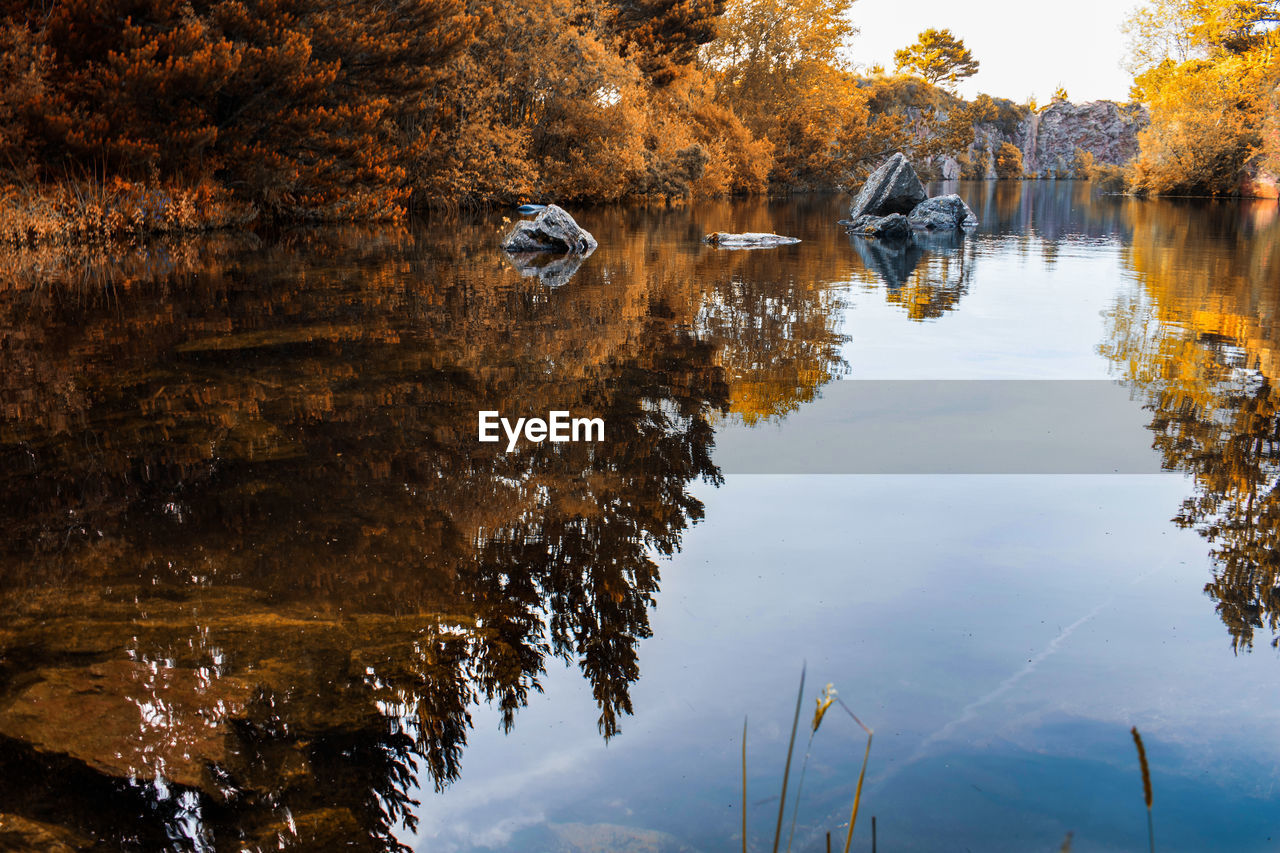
{"x": 1050, "y": 138}
{"x": 552, "y": 230}
{"x": 893, "y": 188}
{"x": 891, "y": 227}
{"x": 749, "y": 240}
{"x": 942, "y": 213}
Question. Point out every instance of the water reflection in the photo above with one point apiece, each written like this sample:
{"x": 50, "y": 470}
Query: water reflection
{"x": 1199, "y": 341}
{"x": 926, "y": 274}
{"x": 251, "y": 537}
{"x": 1050, "y": 211}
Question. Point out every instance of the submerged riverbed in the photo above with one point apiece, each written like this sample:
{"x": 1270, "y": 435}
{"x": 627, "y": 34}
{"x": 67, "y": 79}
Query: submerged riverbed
{"x": 262, "y": 587}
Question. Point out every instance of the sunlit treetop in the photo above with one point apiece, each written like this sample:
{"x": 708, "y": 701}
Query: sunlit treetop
{"x": 937, "y": 56}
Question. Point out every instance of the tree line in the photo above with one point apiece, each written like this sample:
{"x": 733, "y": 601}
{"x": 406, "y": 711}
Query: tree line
{"x": 339, "y": 110}
{"x": 167, "y": 116}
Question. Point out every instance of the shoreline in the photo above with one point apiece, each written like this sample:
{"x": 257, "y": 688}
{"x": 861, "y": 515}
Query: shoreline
{"x": 72, "y": 217}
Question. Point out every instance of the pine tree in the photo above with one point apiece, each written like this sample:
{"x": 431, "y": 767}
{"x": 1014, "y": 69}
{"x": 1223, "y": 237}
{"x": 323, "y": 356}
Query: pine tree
{"x": 937, "y": 56}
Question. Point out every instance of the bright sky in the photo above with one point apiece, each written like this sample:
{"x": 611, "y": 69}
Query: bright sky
{"x": 1023, "y": 48}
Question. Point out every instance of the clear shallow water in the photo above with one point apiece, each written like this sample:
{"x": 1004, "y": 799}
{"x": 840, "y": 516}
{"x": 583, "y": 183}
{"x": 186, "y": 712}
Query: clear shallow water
{"x": 261, "y": 586}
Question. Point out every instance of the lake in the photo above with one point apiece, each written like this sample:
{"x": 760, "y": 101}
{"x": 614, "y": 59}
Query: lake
{"x": 1011, "y": 494}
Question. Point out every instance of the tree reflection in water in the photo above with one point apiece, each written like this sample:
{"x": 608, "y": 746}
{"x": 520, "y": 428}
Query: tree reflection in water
{"x": 258, "y": 570}
{"x": 1199, "y": 340}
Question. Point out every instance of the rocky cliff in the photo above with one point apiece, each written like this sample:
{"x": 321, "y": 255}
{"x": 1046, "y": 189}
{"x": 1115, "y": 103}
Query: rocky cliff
{"x": 1050, "y": 139}
{"x": 1107, "y": 130}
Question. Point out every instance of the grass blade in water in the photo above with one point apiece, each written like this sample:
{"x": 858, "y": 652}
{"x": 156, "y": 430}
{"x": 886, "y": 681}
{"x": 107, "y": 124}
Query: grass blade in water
{"x": 744, "y": 785}
{"x": 1146, "y": 786}
{"x": 791, "y": 745}
{"x": 862, "y": 775}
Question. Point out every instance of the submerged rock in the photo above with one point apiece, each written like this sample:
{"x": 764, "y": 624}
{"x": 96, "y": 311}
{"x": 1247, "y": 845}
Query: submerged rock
{"x": 552, "y": 230}
{"x": 750, "y": 240}
{"x": 944, "y": 212}
{"x": 892, "y": 188}
{"x": 891, "y": 227}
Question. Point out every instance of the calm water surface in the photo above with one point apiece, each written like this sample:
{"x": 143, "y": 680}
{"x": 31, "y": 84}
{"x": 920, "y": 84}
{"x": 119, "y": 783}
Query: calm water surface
{"x": 261, "y": 588}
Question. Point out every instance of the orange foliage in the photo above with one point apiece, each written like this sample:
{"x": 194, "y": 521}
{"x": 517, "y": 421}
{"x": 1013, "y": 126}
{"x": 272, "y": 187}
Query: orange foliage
{"x": 582, "y": 100}
{"x": 294, "y": 104}
{"x": 345, "y": 110}
{"x": 115, "y": 210}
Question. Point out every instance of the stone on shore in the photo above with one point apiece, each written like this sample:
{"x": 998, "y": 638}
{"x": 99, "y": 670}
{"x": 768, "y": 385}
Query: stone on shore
{"x": 552, "y": 230}
{"x": 892, "y": 188}
{"x": 750, "y": 240}
{"x": 940, "y": 213}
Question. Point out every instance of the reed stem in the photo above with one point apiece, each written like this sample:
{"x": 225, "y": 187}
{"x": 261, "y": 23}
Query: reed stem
{"x": 744, "y": 785}
{"x": 1146, "y": 786}
{"x": 786, "y": 773}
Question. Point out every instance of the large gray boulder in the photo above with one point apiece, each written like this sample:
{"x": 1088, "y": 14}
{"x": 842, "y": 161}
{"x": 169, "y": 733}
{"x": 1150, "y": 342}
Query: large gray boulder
{"x": 552, "y": 230}
{"x": 891, "y": 227}
{"x": 944, "y": 212}
{"x": 893, "y": 188}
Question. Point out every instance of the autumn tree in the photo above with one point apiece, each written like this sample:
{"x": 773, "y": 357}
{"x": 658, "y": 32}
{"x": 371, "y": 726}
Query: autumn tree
{"x": 663, "y": 36}
{"x": 782, "y": 67}
{"x": 23, "y": 67}
{"x": 1207, "y": 71}
{"x": 1160, "y": 31}
{"x": 298, "y": 105}
{"x": 1008, "y": 161}
{"x": 937, "y": 56}
{"x": 605, "y": 112}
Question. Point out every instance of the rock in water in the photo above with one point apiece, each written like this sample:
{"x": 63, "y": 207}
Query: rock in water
{"x": 944, "y": 212}
{"x": 552, "y": 230}
{"x": 893, "y": 188}
{"x": 891, "y": 227}
{"x": 750, "y": 240}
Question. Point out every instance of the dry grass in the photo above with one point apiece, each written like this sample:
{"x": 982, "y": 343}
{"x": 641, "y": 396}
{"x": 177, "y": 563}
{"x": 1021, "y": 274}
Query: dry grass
{"x": 1146, "y": 786}
{"x": 88, "y": 212}
{"x": 824, "y": 702}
